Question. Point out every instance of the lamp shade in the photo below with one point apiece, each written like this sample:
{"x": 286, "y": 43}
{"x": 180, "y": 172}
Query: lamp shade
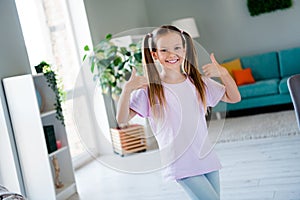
{"x": 188, "y": 25}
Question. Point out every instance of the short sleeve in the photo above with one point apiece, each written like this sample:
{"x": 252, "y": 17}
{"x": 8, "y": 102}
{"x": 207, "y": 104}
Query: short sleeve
{"x": 139, "y": 102}
{"x": 214, "y": 91}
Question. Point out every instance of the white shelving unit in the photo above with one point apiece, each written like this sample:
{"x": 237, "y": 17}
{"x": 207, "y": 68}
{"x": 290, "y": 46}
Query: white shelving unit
{"x": 28, "y": 120}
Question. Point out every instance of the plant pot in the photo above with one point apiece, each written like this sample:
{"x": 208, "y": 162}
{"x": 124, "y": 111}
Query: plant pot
{"x": 39, "y": 69}
{"x": 128, "y": 140}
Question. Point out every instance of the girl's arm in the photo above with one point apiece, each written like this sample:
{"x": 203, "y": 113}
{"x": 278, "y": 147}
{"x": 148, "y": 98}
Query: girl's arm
{"x": 124, "y": 113}
{"x": 214, "y": 69}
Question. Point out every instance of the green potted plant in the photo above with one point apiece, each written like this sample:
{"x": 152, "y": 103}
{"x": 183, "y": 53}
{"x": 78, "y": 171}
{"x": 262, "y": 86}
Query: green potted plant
{"x": 111, "y": 66}
{"x": 55, "y": 85}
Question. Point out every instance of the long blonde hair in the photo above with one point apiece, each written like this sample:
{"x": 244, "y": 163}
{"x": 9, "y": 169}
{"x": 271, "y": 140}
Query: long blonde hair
{"x": 155, "y": 88}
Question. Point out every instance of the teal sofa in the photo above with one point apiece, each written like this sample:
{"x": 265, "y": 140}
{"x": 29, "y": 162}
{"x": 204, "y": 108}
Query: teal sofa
{"x": 270, "y": 71}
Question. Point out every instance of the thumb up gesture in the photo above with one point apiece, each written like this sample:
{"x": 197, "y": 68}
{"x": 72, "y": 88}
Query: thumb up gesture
{"x": 213, "y": 69}
{"x": 136, "y": 82}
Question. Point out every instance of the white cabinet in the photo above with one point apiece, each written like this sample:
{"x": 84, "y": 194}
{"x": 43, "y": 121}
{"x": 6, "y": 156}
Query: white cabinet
{"x": 27, "y": 121}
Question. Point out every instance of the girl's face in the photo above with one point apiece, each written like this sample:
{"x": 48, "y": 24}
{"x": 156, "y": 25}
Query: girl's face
{"x": 170, "y": 51}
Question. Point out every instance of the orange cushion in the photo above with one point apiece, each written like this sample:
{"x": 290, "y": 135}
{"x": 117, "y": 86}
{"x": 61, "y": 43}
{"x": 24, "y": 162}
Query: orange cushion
{"x": 232, "y": 65}
{"x": 243, "y": 76}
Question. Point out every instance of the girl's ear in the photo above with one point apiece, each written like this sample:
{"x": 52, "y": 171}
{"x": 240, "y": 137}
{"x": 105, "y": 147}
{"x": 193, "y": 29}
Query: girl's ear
{"x": 154, "y": 55}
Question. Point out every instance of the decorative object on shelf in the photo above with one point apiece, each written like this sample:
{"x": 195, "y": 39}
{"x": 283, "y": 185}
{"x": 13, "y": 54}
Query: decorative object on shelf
{"x": 188, "y": 25}
{"x": 58, "y": 182}
{"x": 56, "y": 86}
{"x": 258, "y": 7}
{"x": 50, "y": 138}
{"x": 111, "y": 65}
{"x": 39, "y": 99}
{"x": 58, "y": 144}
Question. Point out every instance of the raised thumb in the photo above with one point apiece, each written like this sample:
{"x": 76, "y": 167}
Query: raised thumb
{"x": 133, "y": 73}
{"x": 213, "y": 59}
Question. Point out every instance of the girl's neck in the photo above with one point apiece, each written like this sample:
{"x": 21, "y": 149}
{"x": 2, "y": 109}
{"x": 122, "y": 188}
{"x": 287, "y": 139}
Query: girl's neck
{"x": 172, "y": 76}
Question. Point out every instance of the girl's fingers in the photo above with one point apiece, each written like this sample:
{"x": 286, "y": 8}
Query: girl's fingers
{"x": 210, "y": 71}
{"x": 136, "y": 82}
{"x": 205, "y": 67}
{"x": 206, "y": 72}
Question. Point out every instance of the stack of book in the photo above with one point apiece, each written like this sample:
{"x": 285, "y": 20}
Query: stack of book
{"x": 50, "y": 138}
{"x": 129, "y": 140}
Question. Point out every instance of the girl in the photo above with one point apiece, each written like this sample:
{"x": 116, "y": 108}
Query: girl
{"x": 175, "y": 99}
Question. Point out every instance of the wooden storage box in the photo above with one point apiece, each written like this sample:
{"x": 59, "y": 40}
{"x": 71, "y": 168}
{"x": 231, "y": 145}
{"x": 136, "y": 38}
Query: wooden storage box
{"x": 129, "y": 140}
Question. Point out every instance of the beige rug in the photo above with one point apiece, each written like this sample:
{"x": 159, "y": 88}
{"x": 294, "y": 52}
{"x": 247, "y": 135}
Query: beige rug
{"x": 266, "y": 125}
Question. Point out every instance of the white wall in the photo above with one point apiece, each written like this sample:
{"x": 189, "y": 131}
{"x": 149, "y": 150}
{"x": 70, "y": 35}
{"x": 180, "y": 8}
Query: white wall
{"x": 114, "y": 16}
{"x": 227, "y": 28}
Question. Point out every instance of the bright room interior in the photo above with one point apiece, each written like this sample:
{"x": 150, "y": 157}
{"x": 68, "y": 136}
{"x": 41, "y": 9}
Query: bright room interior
{"x": 257, "y": 141}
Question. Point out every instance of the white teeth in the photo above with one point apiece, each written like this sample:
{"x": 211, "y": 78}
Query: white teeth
{"x": 172, "y": 61}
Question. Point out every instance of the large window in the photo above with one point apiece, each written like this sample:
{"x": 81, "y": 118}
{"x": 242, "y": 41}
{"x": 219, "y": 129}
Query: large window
{"x": 49, "y": 36}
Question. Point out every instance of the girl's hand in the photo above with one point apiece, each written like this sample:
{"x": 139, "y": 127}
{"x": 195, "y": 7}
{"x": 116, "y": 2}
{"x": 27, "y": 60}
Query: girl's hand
{"x": 213, "y": 69}
{"x": 135, "y": 82}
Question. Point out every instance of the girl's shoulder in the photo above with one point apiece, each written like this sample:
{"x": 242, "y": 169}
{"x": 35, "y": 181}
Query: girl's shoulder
{"x": 140, "y": 93}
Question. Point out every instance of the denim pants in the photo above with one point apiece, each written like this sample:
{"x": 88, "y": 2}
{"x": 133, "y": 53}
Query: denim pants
{"x": 206, "y": 186}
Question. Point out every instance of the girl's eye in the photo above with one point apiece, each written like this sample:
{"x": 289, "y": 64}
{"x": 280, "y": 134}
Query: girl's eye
{"x": 163, "y": 50}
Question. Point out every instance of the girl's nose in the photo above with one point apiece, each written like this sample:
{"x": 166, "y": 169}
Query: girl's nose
{"x": 172, "y": 54}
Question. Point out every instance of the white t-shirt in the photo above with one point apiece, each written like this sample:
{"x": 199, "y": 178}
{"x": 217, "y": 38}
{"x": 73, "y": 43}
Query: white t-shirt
{"x": 181, "y": 131}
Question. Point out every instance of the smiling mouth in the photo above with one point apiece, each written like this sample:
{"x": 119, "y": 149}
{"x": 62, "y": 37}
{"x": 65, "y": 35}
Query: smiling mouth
{"x": 172, "y": 61}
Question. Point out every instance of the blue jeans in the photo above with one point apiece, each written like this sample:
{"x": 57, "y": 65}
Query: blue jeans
{"x": 206, "y": 186}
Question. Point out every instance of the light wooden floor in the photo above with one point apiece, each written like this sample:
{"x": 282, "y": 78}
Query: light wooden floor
{"x": 258, "y": 169}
